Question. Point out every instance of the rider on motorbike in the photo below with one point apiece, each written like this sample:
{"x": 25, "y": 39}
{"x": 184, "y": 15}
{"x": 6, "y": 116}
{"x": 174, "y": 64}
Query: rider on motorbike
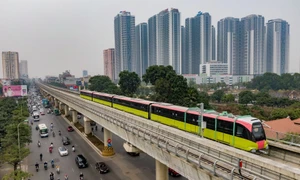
{"x": 39, "y": 143}
{"x": 59, "y": 133}
{"x": 73, "y": 148}
{"x": 52, "y": 162}
{"x": 37, "y": 165}
{"x": 41, "y": 156}
{"x": 81, "y": 176}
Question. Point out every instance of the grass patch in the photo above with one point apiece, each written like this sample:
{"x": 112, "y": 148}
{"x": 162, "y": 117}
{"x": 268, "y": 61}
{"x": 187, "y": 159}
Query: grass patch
{"x": 96, "y": 141}
{"x": 79, "y": 127}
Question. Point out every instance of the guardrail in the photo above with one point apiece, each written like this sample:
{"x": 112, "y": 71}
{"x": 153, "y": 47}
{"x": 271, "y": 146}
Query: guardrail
{"x": 193, "y": 151}
{"x": 286, "y": 138}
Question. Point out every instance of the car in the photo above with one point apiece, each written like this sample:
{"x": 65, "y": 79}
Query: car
{"x": 63, "y": 151}
{"x": 101, "y": 167}
{"x": 81, "y": 161}
{"x": 65, "y": 140}
{"x": 70, "y": 129}
{"x": 173, "y": 173}
{"x": 42, "y": 111}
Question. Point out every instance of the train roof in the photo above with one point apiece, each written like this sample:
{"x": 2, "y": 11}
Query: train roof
{"x": 103, "y": 94}
{"x": 136, "y": 100}
{"x": 86, "y": 91}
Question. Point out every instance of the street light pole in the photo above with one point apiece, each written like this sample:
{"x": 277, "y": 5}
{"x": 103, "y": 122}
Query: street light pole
{"x": 19, "y": 146}
{"x": 19, "y": 142}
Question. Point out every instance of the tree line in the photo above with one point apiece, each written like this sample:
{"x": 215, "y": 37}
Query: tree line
{"x": 166, "y": 86}
{"x": 272, "y": 81}
{"x": 14, "y": 112}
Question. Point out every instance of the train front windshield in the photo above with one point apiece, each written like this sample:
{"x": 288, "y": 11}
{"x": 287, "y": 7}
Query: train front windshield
{"x": 258, "y": 131}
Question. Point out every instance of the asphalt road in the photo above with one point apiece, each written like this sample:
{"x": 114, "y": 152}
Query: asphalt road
{"x": 122, "y": 166}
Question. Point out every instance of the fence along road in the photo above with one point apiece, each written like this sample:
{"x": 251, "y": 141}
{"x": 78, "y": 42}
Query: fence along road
{"x": 185, "y": 145}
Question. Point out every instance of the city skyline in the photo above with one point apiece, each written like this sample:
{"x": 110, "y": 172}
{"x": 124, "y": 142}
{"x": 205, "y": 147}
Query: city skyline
{"x": 57, "y": 48}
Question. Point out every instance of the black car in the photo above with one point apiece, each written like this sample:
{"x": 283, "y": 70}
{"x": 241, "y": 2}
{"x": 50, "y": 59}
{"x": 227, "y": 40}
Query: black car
{"x": 81, "y": 161}
{"x": 65, "y": 140}
{"x": 101, "y": 167}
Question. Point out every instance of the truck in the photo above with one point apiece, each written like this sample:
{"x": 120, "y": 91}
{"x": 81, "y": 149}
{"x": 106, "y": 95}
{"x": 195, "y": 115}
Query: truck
{"x": 46, "y": 103}
{"x": 56, "y": 112}
{"x": 131, "y": 149}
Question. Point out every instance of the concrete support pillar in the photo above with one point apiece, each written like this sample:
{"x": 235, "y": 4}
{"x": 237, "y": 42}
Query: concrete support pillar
{"x": 87, "y": 125}
{"x": 55, "y": 103}
{"x": 74, "y": 116}
{"x": 66, "y": 110}
{"x": 59, "y": 106}
{"x": 108, "y": 150}
{"x": 161, "y": 171}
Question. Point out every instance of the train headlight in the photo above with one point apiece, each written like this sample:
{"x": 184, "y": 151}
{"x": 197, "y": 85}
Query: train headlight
{"x": 267, "y": 146}
{"x": 253, "y": 150}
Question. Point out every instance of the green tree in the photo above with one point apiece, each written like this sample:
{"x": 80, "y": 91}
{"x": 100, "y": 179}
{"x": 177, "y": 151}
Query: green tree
{"x": 218, "y": 95}
{"x": 12, "y": 135}
{"x": 17, "y": 175}
{"x": 246, "y": 97}
{"x": 278, "y": 114}
{"x": 11, "y": 154}
{"x": 154, "y": 73}
{"x": 129, "y": 82}
{"x": 103, "y": 84}
{"x": 228, "y": 98}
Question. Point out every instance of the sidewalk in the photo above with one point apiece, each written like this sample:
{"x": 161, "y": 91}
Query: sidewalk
{"x": 4, "y": 169}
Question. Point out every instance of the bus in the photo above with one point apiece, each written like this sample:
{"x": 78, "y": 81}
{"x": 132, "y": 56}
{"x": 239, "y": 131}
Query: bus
{"x": 43, "y": 130}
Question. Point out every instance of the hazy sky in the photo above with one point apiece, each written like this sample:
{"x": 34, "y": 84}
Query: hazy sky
{"x": 59, "y": 35}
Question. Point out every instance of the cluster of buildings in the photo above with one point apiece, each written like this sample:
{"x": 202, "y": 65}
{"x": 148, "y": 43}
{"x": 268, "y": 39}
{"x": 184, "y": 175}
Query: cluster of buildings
{"x": 12, "y": 67}
{"x": 69, "y": 80}
{"x": 236, "y": 49}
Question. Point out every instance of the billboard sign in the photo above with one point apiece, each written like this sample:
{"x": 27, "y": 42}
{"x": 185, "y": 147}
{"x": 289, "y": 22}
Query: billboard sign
{"x": 15, "y": 90}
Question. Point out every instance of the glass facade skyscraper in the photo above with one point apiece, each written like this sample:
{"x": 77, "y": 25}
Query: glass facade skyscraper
{"x": 124, "y": 25}
{"x": 228, "y": 43}
{"x": 213, "y": 42}
{"x": 198, "y": 42}
{"x": 252, "y": 59}
{"x": 141, "y": 48}
{"x": 165, "y": 39}
{"x": 277, "y": 46}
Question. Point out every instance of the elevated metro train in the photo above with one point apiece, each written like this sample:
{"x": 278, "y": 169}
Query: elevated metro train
{"x": 242, "y": 132}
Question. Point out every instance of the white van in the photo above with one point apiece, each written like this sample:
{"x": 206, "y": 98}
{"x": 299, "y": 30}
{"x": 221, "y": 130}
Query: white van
{"x": 36, "y": 116}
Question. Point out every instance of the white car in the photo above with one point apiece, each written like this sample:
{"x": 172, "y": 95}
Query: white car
{"x": 63, "y": 151}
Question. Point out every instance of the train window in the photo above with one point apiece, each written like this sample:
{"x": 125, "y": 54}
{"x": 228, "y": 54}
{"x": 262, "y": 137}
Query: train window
{"x": 242, "y": 132}
{"x": 191, "y": 119}
{"x": 225, "y": 126}
{"x": 210, "y": 122}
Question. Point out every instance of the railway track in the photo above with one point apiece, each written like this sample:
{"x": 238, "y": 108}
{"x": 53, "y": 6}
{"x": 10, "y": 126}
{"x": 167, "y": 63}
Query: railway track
{"x": 206, "y": 159}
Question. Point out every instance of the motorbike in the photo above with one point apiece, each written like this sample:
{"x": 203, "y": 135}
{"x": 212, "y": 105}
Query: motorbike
{"x": 53, "y": 134}
{"x": 81, "y": 178}
{"x": 59, "y": 133}
{"x": 45, "y": 166}
{"x": 52, "y": 165}
{"x": 36, "y": 128}
{"x": 73, "y": 149}
{"x": 37, "y": 168}
{"x": 50, "y": 149}
{"x": 58, "y": 170}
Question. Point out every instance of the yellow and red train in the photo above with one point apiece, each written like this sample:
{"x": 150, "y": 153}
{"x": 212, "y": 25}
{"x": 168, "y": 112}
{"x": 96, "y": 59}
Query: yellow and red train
{"x": 242, "y": 132}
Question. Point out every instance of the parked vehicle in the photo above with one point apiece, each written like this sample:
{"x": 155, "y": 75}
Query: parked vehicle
{"x": 65, "y": 140}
